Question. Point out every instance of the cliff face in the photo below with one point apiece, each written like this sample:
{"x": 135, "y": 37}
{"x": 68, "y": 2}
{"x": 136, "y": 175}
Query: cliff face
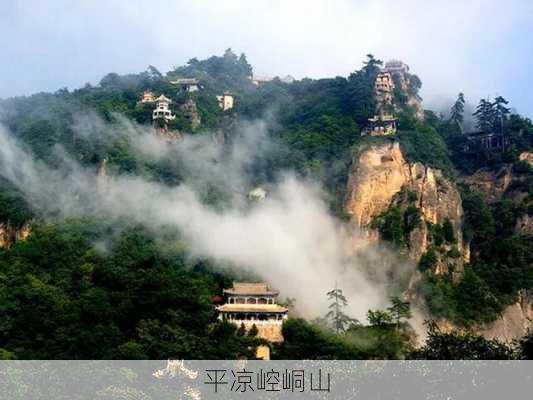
{"x": 514, "y": 322}
{"x": 10, "y": 234}
{"x": 492, "y": 185}
{"x": 379, "y": 175}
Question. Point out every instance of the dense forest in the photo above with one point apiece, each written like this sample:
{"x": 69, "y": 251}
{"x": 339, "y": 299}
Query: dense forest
{"x": 88, "y": 287}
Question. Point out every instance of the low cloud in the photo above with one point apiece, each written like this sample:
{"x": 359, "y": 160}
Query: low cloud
{"x": 290, "y": 239}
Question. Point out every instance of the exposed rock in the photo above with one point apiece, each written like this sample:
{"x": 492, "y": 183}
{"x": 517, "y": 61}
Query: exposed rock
{"x": 524, "y": 225}
{"x": 10, "y": 234}
{"x": 514, "y": 322}
{"x": 492, "y": 185}
{"x": 168, "y": 134}
{"x": 379, "y": 174}
{"x": 527, "y": 157}
{"x": 190, "y": 112}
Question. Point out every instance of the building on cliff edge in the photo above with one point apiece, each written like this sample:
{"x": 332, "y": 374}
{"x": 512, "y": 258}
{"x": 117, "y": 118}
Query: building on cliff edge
{"x": 162, "y": 109}
{"x": 252, "y": 304}
{"x": 381, "y": 125}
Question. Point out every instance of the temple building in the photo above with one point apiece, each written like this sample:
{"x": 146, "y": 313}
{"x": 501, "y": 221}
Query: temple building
{"x": 162, "y": 109}
{"x": 384, "y": 82}
{"x": 254, "y": 304}
{"x": 225, "y": 102}
{"x": 381, "y": 125}
{"x": 491, "y": 141}
{"x": 147, "y": 97}
{"x": 394, "y": 66}
{"x": 187, "y": 84}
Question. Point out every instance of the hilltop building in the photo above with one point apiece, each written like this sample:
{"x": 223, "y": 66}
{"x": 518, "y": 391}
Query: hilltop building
{"x": 148, "y": 97}
{"x": 187, "y": 84}
{"x": 254, "y": 304}
{"x": 162, "y": 109}
{"x": 384, "y": 92}
{"x": 396, "y": 66}
{"x": 383, "y": 122}
{"x": 225, "y": 102}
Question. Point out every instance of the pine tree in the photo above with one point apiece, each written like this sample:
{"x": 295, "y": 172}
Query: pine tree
{"x": 485, "y": 115}
{"x": 372, "y": 65}
{"x": 253, "y": 331}
{"x": 339, "y": 320}
{"x": 399, "y": 309}
{"x": 457, "y": 110}
{"x": 501, "y": 113}
{"x": 378, "y": 317}
{"x": 242, "y": 330}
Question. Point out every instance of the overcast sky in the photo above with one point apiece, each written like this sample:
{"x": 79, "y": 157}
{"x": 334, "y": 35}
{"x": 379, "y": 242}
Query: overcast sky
{"x": 482, "y": 48}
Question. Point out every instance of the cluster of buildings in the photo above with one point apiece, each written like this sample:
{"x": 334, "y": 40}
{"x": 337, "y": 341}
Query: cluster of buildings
{"x": 384, "y": 121}
{"x": 162, "y": 110}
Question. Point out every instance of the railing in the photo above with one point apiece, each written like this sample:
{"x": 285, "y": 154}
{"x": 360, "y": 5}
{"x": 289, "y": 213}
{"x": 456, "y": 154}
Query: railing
{"x": 256, "y": 321}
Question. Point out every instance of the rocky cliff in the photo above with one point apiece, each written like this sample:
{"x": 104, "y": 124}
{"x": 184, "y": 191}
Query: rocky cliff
{"x": 9, "y": 234}
{"x": 514, "y": 322}
{"x": 404, "y": 88}
{"x": 190, "y": 112}
{"x": 382, "y": 178}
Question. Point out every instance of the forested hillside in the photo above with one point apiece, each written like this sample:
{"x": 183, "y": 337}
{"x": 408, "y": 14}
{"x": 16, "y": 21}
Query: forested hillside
{"x": 90, "y": 282}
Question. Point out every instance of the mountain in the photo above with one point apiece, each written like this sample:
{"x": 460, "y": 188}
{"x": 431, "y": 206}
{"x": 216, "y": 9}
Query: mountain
{"x": 99, "y": 260}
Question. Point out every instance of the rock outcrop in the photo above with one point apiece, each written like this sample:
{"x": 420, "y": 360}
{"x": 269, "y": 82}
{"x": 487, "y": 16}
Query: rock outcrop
{"x": 381, "y": 177}
{"x": 405, "y": 83}
{"x": 514, "y": 322}
{"x": 10, "y": 234}
{"x": 190, "y": 112}
{"x": 527, "y": 157}
{"x": 492, "y": 185}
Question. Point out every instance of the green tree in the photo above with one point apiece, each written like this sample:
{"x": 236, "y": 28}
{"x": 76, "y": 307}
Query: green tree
{"x": 461, "y": 346}
{"x": 448, "y": 231}
{"x": 253, "y": 331}
{"x": 399, "y": 309}
{"x": 457, "y": 110}
{"x": 339, "y": 320}
{"x": 485, "y": 115}
{"x": 379, "y": 318}
{"x": 526, "y": 346}
{"x": 501, "y": 113}
{"x": 242, "y": 330}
